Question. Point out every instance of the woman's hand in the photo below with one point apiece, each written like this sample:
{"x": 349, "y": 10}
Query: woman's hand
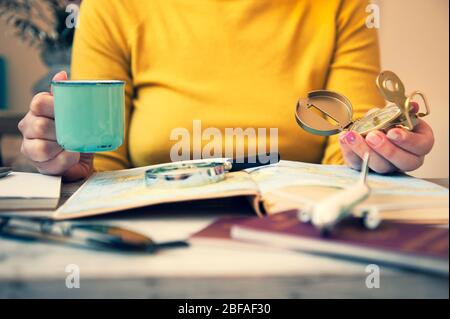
{"x": 39, "y": 141}
{"x": 397, "y": 150}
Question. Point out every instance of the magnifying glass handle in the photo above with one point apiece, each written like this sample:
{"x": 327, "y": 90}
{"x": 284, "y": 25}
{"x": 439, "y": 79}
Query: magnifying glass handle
{"x": 239, "y": 164}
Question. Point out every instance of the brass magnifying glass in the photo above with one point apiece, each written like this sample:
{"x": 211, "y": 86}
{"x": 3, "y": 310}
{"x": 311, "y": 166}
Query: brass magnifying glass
{"x": 327, "y": 113}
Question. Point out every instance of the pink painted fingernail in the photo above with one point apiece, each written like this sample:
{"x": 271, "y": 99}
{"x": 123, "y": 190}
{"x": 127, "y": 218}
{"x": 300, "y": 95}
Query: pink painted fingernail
{"x": 394, "y": 135}
{"x": 413, "y": 107}
{"x": 350, "y": 137}
{"x": 374, "y": 138}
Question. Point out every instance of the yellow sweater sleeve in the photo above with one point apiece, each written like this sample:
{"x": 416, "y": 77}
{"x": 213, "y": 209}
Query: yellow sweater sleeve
{"x": 103, "y": 46}
{"x": 97, "y": 55}
{"x": 354, "y": 68}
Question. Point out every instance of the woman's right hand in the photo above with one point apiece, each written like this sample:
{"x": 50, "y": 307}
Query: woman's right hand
{"x": 39, "y": 141}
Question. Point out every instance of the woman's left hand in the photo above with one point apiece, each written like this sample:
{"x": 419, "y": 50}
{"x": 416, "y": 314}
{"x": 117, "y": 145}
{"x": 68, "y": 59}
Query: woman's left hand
{"x": 397, "y": 150}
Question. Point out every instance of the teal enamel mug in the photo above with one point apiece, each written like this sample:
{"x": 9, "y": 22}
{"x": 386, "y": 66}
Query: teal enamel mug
{"x": 89, "y": 115}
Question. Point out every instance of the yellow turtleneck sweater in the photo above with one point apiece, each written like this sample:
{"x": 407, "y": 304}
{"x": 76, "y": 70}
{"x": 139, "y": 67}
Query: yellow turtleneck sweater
{"x": 228, "y": 63}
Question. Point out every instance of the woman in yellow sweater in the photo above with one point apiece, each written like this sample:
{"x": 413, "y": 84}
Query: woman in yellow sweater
{"x": 229, "y": 64}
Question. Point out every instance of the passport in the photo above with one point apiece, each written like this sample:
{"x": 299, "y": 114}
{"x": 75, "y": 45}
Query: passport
{"x": 407, "y": 246}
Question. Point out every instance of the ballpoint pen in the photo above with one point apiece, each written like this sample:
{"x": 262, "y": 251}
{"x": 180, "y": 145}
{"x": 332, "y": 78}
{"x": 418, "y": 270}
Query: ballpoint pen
{"x": 83, "y": 235}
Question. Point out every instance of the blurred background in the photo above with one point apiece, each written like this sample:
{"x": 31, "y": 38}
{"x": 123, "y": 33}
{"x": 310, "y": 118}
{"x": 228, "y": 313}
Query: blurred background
{"x": 414, "y": 37}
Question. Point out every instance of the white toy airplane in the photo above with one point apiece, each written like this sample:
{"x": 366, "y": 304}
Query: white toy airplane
{"x": 331, "y": 210}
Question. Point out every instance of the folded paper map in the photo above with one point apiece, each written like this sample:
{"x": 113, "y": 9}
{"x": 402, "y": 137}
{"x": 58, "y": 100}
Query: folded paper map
{"x": 294, "y": 185}
{"x": 270, "y": 189}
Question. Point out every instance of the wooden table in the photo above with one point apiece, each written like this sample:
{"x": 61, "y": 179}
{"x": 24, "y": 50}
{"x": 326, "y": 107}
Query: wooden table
{"x": 36, "y": 270}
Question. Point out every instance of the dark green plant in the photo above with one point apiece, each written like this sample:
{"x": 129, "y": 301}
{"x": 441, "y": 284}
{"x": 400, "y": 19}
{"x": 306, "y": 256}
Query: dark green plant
{"x": 39, "y": 22}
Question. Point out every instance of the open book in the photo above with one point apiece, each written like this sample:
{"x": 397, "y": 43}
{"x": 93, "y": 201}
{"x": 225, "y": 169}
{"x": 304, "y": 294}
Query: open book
{"x": 270, "y": 189}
